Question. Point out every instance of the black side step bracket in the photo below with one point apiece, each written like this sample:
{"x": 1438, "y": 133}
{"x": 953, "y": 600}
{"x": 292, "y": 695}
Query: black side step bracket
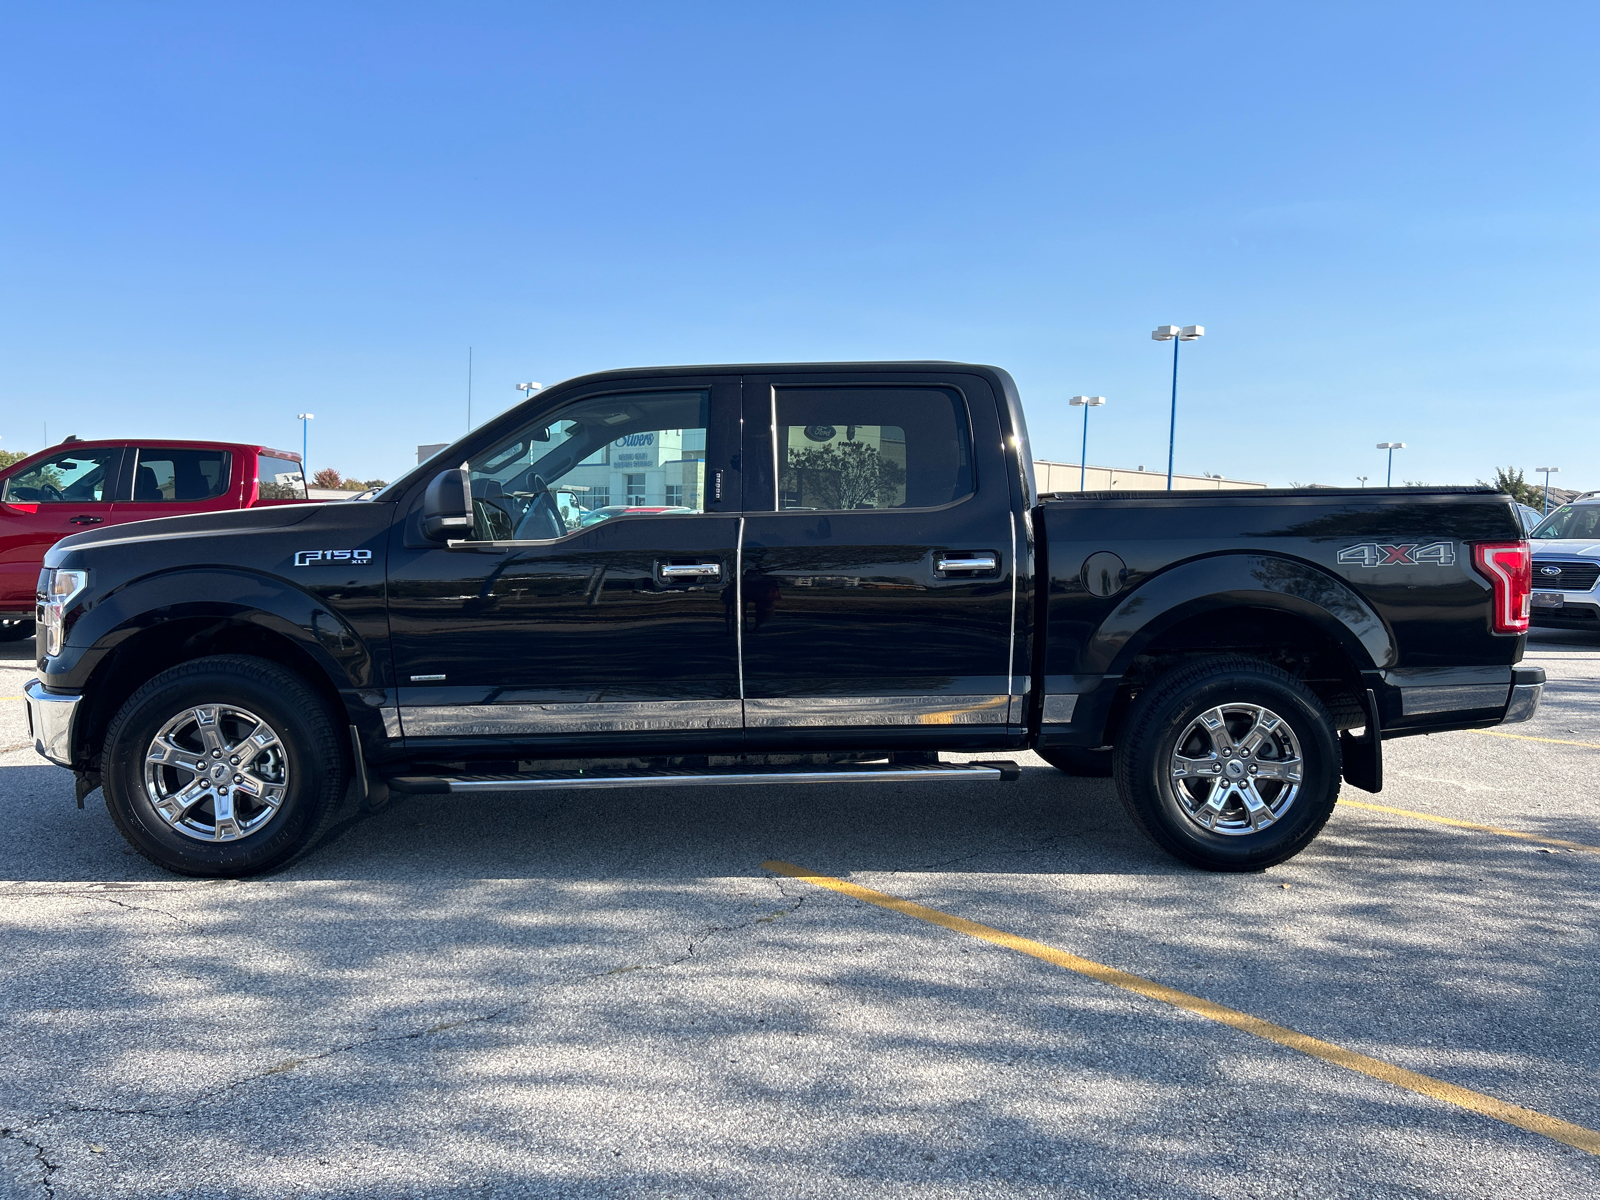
{"x": 539, "y": 781}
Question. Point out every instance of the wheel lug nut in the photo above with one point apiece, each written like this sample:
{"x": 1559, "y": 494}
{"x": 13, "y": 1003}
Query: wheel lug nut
{"x": 234, "y": 761}
{"x": 216, "y": 754}
{"x": 240, "y": 778}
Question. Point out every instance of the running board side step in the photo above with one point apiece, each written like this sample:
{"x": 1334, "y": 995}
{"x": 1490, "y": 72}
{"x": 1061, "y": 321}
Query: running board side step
{"x": 540, "y": 781}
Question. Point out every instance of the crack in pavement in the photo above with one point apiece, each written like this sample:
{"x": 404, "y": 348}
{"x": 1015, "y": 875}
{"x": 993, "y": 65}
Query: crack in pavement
{"x": 48, "y": 1168}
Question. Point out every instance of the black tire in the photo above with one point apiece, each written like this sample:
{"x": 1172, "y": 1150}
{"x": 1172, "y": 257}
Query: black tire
{"x": 14, "y": 630}
{"x": 1076, "y": 760}
{"x": 1171, "y": 708}
{"x": 312, "y": 755}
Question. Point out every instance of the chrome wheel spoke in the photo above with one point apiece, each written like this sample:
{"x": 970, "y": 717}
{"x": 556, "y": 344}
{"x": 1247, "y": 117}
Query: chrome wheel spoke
{"x": 164, "y": 753}
{"x": 1216, "y": 726}
{"x": 1209, "y": 813}
{"x": 1284, "y": 770}
{"x": 1266, "y": 724}
{"x": 177, "y": 805}
{"x": 226, "y": 825}
{"x": 1256, "y": 809}
{"x": 1195, "y": 768}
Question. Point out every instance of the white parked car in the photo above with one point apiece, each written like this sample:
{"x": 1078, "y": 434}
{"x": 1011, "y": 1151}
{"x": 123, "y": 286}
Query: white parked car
{"x": 1566, "y": 566}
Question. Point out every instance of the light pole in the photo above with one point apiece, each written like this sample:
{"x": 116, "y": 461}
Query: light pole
{"x": 1085, "y": 403}
{"x": 1363, "y": 479}
{"x": 305, "y": 439}
{"x": 1171, "y": 333}
{"x": 1548, "y": 471}
{"x": 1391, "y": 447}
{"x": 528, "y": 389}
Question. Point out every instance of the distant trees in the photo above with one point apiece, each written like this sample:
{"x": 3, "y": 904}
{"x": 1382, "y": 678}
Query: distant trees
{"x": 330, "y": 480}
{"x": 7, "y": 457}
{"x": 1510, "y": 481}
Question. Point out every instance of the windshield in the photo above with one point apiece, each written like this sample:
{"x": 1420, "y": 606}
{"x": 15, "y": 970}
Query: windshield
{"x": 1581, "y": 521}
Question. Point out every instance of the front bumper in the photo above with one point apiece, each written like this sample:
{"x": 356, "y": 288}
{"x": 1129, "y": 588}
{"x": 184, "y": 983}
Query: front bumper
{"x": 1578, "y": 610}
{"x": 50, "y": 717}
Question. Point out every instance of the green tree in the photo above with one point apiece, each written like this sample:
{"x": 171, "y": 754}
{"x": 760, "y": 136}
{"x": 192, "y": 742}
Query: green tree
{"x": 1510, "y": 481}
{"x": 7, "y": 457}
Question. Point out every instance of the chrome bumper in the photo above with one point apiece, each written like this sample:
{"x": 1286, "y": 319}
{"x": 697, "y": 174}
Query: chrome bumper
{"x": 50, "y": 717}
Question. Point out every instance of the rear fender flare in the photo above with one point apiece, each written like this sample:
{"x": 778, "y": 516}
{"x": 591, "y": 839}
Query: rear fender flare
{"x": 1259, "y": 581}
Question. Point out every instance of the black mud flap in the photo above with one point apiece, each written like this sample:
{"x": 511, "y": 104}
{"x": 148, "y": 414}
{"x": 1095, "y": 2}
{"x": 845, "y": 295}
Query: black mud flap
{"x": 1363, "y": 756}
{"x": 85, "y": 782}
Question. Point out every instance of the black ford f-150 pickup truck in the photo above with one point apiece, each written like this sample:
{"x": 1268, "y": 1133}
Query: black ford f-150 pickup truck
{"x": 746, "y": 574}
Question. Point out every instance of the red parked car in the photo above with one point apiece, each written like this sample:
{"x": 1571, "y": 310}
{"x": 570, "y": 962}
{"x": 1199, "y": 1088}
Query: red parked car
{"x": 82, "y": 484}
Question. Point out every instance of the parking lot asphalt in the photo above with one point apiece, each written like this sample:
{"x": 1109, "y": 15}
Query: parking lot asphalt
{"x": 607, "y": 993}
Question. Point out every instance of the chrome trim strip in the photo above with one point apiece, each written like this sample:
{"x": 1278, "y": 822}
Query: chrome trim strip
{"x": 738, "y": 612}
{"x": 777, "y": 476}
{"x": 1011, "y": 642}
{"x": 1416, "y": 701}
{"x": 953, "y": 772}
{"x": 391, "y": 722}
{"x": 1058, "y": 710}
{"x": 1524, "y": 703}
{"x": 838, "y": 711}
{"x": 510, "y": 720}
{"x": 683, "y": 571}
{"x": 51, "y": 716}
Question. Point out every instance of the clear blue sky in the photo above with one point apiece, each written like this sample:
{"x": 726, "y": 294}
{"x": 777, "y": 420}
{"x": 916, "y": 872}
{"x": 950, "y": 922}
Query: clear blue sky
{"x": 215, "y": 216}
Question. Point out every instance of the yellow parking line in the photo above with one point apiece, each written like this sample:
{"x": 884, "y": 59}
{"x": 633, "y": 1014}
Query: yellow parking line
{"x": 1459, "y": 824}
{"x": 1523, "y": 737}
{"x": 1425, "y": 1085}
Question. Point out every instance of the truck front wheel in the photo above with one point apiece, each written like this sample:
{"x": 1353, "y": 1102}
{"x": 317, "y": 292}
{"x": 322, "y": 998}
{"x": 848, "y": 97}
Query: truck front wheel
{"x": 225, "y": 766}
{"x": 1229, "y": 764}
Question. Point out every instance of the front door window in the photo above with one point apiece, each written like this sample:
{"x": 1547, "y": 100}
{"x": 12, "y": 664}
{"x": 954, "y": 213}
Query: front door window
{"x": 559, "y": 475}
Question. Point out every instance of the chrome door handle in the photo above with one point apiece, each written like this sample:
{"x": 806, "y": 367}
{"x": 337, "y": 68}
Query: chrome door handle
{"x": 84, "y": 520}
{"x": 966, "y": 562}
{"x": 689, "y": 570}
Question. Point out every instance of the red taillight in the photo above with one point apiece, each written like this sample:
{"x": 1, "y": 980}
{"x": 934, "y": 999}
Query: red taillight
{"x": 1509, "y": 566}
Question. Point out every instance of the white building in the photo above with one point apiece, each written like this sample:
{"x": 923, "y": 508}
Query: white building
{"x": 1063, "y": 477}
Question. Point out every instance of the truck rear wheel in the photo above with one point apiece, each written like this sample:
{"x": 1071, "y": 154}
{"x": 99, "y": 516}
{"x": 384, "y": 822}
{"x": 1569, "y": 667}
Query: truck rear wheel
{"x": 224, "y": 766}
{"x": 1229, "y": 764}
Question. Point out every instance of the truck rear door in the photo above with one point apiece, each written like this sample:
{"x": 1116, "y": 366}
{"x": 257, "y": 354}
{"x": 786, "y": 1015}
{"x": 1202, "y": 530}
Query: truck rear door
{"x": 878, "y": 556}
{"x": 167, "y": 480}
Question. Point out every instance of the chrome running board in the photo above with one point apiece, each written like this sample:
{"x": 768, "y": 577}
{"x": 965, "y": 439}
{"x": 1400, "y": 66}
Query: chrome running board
{"x": 540, "y": 781}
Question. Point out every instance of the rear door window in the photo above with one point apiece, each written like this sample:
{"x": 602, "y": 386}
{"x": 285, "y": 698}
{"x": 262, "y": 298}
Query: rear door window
{"x": 162, "y": 474}
{"x": 847, "y": 449}
{"x": 280, "y": 478}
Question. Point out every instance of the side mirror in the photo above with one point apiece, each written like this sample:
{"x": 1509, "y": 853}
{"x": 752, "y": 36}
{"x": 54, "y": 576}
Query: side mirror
{"x": 447, "y": 506}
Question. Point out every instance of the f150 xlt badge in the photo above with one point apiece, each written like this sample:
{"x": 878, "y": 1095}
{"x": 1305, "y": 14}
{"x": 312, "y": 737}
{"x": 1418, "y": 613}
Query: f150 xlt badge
{"x": 1410, "y": 554}
{"x": 310, "y": 558}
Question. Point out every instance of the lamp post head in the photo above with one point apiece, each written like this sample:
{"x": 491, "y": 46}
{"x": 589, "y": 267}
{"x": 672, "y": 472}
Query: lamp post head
{"x": 1087, "y": 401}
{"x": 1191, "y": 333}
{"x": 1549, "y": 470}
{"x": 305, "y": 416}
{"x": 1165, "y": 333}
{"x": 1391, "y": 445}
{"x": 529, "y": 388}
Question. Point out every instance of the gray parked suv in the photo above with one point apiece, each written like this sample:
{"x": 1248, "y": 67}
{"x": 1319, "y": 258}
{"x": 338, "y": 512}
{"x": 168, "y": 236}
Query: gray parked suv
{"x": 1566, "y": 566}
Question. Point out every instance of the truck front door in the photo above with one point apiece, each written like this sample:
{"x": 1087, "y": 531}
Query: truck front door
{"x": 879, "y": 572}
{"x": 590, "y": 610}
{"x": 66, "y": 494}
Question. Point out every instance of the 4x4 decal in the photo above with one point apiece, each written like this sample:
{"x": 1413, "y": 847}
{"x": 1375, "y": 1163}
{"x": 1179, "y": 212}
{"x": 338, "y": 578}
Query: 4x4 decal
{"x": 1403, "y": 554}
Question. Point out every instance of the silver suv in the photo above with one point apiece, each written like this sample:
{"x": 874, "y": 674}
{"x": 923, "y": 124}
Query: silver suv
{"x": 1566, "y": 565}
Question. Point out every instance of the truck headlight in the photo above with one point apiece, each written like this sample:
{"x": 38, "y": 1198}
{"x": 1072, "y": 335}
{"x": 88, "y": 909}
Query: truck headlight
{"x": 57, "y": 590}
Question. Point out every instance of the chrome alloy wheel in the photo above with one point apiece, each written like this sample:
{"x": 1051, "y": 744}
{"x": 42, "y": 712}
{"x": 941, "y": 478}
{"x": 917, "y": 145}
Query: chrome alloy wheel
{"x": 1236, "y": 769}
{"x": 216, "y": 773}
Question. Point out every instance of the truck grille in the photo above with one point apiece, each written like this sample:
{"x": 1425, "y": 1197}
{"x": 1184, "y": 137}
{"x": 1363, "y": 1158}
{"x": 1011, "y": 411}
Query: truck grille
{"x": 1572, "y": 577}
